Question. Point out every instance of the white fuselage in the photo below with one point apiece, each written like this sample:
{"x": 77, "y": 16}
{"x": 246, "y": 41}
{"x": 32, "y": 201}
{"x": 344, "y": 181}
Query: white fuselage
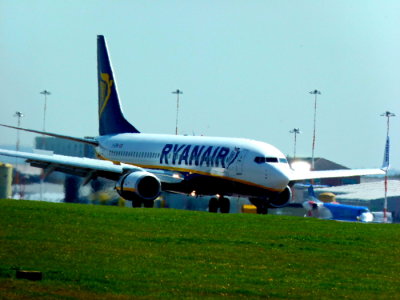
{"x": 244, "y": 161}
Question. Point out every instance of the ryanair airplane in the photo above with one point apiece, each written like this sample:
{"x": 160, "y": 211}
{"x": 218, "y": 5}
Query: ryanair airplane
{"x": 143, "y": 165}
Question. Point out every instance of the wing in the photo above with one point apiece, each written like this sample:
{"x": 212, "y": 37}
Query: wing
{"x": 297, "y": 176}
{"x": 71, "y": 165}
{"x": 87, "y": 167}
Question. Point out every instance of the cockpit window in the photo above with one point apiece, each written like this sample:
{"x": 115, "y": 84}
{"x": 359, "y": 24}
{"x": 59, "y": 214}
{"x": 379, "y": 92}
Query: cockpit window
{"x": 271, "y": 159}
{"x": 260, "y": 160}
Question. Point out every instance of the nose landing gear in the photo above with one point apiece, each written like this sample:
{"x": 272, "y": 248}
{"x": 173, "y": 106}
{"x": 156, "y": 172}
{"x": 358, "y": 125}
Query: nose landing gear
{"x": 261, "y": 204}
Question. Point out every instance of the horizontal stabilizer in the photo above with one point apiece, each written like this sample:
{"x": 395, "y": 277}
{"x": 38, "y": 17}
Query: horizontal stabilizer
{"x": 66, "y": 137}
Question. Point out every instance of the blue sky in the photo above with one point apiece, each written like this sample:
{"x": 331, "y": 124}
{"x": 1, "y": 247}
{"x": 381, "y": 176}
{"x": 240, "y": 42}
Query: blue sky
{"x": 245, "y": 68}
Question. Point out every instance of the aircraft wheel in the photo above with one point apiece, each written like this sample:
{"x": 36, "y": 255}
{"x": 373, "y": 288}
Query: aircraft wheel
{"x": 213, "y": 205}
{"x": 137, "y": 202}
{"x": 225, "y": 205}
{"x": 262, "y": 205}
{"x": 262, "y": 209}
{"x": 149, "y": 203}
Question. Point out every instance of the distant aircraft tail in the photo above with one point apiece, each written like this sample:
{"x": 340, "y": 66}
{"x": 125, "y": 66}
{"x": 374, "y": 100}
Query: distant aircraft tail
{"x": 111, "y": 117}
{"x": 311, "y": 192}
{"x": 386, "y": 162}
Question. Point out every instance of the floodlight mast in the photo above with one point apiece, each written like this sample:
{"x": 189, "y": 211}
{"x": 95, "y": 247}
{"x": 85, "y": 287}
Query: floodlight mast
{"x": 388, "y": 115}
{"x": 295, "y": 131}
{"x": 19, "y": 115}
{"x": 45, "y": 93}
{"x": 315, "y": 93}
{"x": 177, "y": 92}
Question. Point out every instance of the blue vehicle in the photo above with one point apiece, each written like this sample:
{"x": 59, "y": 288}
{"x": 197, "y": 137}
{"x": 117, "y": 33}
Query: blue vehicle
{"x": 335, "y": 211}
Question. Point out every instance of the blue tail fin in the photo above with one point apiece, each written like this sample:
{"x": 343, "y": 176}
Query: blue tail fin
{"x": 111, "y": 118}
{"x": 311, "y": 191}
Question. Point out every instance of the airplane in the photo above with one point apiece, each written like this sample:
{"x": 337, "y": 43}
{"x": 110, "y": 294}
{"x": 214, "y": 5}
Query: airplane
{"x": 335, "y": 211}
{"x": 143, "y": 165}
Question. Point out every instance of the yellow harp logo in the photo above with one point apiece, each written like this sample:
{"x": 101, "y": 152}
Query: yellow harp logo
{"x": 105, "y": 91}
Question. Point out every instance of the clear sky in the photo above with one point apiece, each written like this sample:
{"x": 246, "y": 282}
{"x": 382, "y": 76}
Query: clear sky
{"x": 245, "y": 68}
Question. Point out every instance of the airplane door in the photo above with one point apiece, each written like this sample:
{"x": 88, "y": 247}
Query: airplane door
{"x": 240, "y": 161}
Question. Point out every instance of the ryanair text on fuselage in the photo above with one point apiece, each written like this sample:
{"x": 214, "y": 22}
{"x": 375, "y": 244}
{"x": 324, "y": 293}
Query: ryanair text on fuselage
{"x": 210, "y": 156}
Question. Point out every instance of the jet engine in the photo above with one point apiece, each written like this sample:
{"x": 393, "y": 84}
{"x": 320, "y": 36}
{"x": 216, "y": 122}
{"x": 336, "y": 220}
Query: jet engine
{"x": 139, "y": 183}
{"x": 281, "y": 199}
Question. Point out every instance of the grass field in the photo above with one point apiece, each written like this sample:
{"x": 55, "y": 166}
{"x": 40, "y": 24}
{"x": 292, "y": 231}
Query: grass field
{"x": 103, "y": 252}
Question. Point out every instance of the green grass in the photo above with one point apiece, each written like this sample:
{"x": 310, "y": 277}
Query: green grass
{"x": 87, "y": 251}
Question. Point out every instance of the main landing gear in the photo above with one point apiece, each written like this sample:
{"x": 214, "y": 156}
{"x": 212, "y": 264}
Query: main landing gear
{"x": 261, "y": 204}
{"x": 139, "y": 202}
{"x": 221, "y": 203}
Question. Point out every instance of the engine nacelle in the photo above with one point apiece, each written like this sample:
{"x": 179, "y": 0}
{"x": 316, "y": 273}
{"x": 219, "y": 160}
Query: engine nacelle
{"x": 281, "y": 199}
{"x": 138, "y": 184}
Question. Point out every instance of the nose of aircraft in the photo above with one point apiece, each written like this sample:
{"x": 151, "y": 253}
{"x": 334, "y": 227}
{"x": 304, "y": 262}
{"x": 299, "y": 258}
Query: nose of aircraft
{"x": 279, "y": 178}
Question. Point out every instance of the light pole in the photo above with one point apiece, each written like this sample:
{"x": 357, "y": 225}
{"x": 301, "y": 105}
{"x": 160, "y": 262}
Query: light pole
{"x": 295, "y": 131}
{"x": 315, "y": 93}
{"x": 388, "y": 115}
{"x": 45, "y": 93}
{"x": 19, "y": 115}
{"x": 177, "y": 92}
